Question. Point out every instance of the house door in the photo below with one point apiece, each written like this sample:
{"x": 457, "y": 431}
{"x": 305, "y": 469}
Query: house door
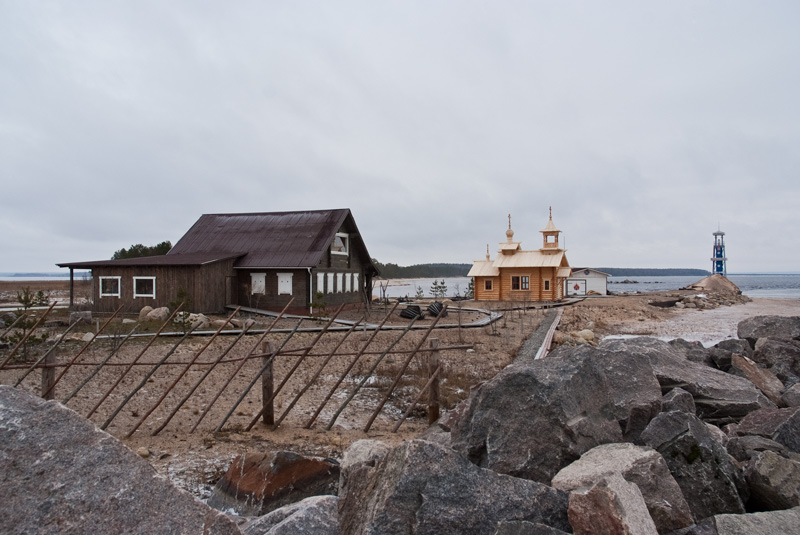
{"x": 576, "y": 287}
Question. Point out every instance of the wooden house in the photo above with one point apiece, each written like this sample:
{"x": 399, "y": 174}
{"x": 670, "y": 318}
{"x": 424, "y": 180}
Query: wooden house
{"x": 586, "y": 281}
{"x": 258, "y": 260}
{"x": 519, "y": 275}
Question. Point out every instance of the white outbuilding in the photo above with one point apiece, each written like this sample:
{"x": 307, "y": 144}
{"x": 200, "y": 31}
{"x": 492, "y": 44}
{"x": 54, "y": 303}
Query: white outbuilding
{"x": 586, "y": 281}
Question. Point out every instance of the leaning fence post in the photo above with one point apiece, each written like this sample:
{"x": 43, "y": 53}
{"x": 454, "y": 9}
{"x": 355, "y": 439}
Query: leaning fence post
{"x": 267, "y": 382}
{"x": 433, "y": 392}
{"x": 48, "y": 376}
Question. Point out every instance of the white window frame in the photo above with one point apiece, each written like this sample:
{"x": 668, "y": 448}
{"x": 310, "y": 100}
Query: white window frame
{"x": 330, "y": 282}
{"x": 258, "y": 281}
{"x": 285, "y": 283}
{"x": 119, "y": 287}
{"x": 151, "y": 295}
{"x": 345, "y": 237}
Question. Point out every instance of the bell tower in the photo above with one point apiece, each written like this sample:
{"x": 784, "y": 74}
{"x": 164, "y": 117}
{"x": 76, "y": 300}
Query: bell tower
{"x": 718, "y": 260}
{"x": 550, "y": 236}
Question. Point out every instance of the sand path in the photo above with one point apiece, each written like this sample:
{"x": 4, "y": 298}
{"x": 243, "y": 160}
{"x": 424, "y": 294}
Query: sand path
{"x": 711, "y": 326}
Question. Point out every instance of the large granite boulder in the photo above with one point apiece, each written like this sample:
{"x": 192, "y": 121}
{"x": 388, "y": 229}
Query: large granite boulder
{"x": 59, "y": 473}
{"x": 639, "y": 465}
{"x": 694, "y": 351}
{"x": 317, "y": 515}
{"x": 735, "y": 345}
{"x": 779, "y": 327}
{"x": 746, "y": 447}
{"x": 359, "y": 463}
{"x": 536, "y": 417}
{"x": 781, "y": 357}
{"x": 145, "y": 310}
{"x": 791, "y": 396}
{"x": 678, "y": 399}
{"x": 710, "y": 481}
{"x": 426, "y": 488}
{"x": 257, "y": 483}
{"x": 613, "y": 506}
{"x": 764, "y": 379}
{"x": 780, "y": 425}
{"x": 774, "y": 482}
{"x": 719, "y": 397}
{"x": 786, "y": 522}
{"x": 158, "y": 314}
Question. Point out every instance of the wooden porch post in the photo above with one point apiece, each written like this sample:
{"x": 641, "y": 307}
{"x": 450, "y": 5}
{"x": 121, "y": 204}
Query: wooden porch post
{"x": 71, "y": 288}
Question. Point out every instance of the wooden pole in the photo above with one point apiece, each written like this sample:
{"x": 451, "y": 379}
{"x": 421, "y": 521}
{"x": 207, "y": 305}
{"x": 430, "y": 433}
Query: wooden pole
{"x": 48, "y": 376}
{"x": 433, "y": 392}
{"x": 268, "y": 383}
{"x": 71, "y": 289}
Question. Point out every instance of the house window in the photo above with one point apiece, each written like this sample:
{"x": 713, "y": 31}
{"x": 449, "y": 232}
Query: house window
{"x": 330, "y": 283}
{"x": 487, "y": 285}
{"x": 109, "y": 286}
{"x": 284, "y": 284}
{"x": 526, "y": 282}
{"x": 546, "y": 286}
{"x": 258, "y": 283}
{"x": 341, "y": 243}
{"x": 515, "y": 283}
{"x": 144, "y": 287}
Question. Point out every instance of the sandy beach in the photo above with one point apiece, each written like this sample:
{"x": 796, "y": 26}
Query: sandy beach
{"x": 709, "y": 326}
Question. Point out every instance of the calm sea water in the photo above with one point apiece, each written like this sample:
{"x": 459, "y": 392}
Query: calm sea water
{"x": 752, "y": 285}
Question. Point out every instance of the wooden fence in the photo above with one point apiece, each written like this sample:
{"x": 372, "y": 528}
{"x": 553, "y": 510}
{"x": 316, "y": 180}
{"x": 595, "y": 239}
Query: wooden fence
{"x": 175, "y": 383}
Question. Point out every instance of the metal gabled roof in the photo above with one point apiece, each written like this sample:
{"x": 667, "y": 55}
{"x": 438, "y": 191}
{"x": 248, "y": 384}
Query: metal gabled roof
{"x": 270, "y": 239}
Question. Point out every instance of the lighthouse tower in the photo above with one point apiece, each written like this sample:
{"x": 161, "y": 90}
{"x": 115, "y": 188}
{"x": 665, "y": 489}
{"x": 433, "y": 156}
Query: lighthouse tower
{"x": 718, "y": 259}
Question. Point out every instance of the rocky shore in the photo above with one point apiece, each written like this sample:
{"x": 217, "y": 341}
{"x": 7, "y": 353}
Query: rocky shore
{"x": 628, "y": 436}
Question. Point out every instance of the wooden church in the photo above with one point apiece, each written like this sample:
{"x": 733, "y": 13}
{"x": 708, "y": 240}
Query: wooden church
{"x": 519, "y": 275}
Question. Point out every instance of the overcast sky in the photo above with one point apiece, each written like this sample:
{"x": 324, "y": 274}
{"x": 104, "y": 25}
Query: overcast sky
{"x": 645, "y": 125}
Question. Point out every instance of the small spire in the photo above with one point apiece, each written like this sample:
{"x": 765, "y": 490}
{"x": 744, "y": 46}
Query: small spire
{"x": 551, "y": 213}
{"x": 487, "y": 252}
{"x": 509, "y": 221}
{"x": 509, "y": 232}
